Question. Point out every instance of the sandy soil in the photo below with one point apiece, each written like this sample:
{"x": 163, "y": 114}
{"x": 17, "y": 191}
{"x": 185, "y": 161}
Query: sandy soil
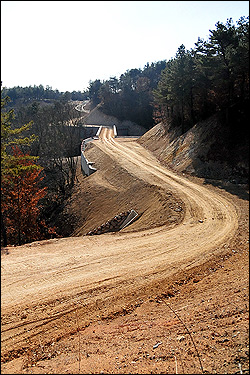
{"x": 168, "y": 294}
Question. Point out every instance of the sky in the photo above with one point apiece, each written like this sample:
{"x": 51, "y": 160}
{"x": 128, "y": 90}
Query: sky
{"x": 67, "y": 44}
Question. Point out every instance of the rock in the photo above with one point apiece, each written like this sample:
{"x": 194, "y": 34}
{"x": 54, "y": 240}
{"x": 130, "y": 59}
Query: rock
{"x": 156, "y": 345}
{"x": 110, "y": 225}
{"x": 180, "y": 338}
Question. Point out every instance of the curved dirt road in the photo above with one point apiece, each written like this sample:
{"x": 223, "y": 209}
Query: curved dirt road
{"x": 43, "y": 282}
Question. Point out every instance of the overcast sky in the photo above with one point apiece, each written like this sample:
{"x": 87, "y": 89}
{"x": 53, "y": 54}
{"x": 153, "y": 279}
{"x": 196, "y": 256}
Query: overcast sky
{"x": 65, "y": 44}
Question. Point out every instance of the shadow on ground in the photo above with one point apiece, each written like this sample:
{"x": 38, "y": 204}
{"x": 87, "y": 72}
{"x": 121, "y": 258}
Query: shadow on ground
{"x": 241, "y": 190}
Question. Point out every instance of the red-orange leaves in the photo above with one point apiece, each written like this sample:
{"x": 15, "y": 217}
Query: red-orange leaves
{"x": 21, "y": 194}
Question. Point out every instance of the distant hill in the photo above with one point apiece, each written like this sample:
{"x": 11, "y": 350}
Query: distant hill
{"x": 124, "y": 128}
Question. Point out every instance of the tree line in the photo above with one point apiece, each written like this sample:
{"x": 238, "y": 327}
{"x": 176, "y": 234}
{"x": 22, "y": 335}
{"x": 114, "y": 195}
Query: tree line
{"x": 211, "y": 77}
{"x": 131, "y": 96}
{"x": 23, "y": 95}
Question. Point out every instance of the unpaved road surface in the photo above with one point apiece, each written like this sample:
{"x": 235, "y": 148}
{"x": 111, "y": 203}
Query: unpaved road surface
{"x": 52, "y": 289}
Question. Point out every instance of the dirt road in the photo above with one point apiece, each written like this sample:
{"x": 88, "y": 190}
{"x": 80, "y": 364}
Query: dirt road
{"x": 44, "y": 284}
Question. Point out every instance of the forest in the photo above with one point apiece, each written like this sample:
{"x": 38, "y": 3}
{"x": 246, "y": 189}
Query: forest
{"x": 196, "y": 83}
{"x": 24, "y": 95}
{"x": 38, "y": 159}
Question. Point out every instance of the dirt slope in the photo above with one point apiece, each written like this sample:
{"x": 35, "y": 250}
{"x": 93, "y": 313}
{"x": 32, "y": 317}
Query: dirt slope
{"x": 206, "y": 150}
{"x": 185, "y": 260}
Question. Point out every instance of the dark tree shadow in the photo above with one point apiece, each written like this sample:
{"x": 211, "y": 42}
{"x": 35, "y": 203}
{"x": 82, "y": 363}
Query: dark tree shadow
{"x": 241, "y": 190}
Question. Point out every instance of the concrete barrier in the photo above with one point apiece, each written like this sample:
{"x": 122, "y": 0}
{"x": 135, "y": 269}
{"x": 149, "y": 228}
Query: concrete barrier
{"x": 84, "y": 142}
{"x": 98, "y": 132}
{"x": 115, "y": 224}
{"x": 86, "y": 165}
{"x": 131, "y": 217}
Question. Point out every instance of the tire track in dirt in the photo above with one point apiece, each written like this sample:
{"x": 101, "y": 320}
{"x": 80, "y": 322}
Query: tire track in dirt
{"x": 218, "y": 215}
{"x": 50, "y": 278}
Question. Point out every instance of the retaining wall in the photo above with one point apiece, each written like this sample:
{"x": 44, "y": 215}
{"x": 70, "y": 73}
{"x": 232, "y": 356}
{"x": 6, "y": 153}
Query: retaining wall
{"x": 117, "y": 223}
{"x": 86, "y": 165}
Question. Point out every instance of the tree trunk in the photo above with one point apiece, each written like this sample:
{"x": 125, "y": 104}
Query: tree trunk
{"x": 3, "y": 231}
{"x": 19, "y": 220}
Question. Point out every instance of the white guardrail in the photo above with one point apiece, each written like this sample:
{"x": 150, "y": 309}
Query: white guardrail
{"x": 98, "y": 132}
{"x": 85, "y": 164}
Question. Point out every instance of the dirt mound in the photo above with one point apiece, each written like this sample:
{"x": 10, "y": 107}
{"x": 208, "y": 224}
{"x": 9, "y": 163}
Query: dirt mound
{"x": 111, "y": 190}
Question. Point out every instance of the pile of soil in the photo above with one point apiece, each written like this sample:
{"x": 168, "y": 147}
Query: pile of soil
{"x": 110, "y": 190}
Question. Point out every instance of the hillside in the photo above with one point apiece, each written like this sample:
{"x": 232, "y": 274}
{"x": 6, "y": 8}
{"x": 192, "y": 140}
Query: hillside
{"x": 124, "y": 128}
{"x": 206, "y": 150}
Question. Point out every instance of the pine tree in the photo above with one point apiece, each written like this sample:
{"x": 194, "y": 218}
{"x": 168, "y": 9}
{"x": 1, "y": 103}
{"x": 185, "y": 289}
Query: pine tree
{"x": 20, "y": 184}
{"x": 10, "y": 136}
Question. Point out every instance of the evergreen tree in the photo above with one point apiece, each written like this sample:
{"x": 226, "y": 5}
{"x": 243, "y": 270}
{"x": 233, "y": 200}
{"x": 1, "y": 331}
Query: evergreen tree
{"x": 214, "y": 76}
{"x": 19, "y": 190}
{"x": 10, "y": 137}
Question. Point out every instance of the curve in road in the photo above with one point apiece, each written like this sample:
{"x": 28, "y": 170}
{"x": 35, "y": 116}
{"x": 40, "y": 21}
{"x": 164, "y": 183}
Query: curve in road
{"x": 46, "y": 280}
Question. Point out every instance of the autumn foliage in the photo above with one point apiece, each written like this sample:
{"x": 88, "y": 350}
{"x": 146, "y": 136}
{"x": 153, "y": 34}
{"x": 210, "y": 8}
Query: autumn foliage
{"x": 21, "y": 194}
